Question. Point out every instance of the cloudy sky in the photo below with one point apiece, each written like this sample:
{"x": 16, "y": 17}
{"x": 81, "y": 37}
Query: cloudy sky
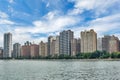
{"x": 35, "y": 20}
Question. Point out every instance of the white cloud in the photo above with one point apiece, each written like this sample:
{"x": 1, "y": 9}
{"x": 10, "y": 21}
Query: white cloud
{"x": 102, "y": 26}
{"x": 11, "y": 1}
{"x": 3, "y": 15}
{"x": 6, "y": 22}
{"x": 4, "y": 19}
{"x": 51, "y": 23}
{"x": 98, "y": 6}
{"x": 54, "y": 22}
{"x": 48, "y": 4}
{"x": 106, "y": 23}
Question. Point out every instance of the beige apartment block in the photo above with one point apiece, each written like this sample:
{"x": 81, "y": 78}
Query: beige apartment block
{"x": 88, "y": 41}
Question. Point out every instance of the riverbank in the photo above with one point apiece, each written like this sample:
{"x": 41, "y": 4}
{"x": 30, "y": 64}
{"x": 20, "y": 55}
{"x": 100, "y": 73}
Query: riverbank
{"x": 110, "y": 59}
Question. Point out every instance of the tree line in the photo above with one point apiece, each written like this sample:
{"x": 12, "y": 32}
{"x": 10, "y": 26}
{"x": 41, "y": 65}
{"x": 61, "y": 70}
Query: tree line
{"x": 93, "y": 55}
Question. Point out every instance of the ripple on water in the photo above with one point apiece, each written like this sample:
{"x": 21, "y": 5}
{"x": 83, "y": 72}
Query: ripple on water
{"x": 59, "y": 70}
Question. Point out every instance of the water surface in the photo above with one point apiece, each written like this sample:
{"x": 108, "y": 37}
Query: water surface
{"x": 59, "y": 70}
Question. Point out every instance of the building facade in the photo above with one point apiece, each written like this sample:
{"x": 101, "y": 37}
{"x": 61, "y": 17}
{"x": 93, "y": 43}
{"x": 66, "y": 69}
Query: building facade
{"x": 105, "y": 43}
{"x": 110, "y": 44}
{"x": 114, "y": 44}
{"x": 51, "y": 45}
{"x": 46, "y": 48}
{"x": 7, "y": 45}
{"x": 78, "y": 45}
{"x": 57, "y": 46}
{"x": 25, "y": 50}
{"x": 1, "y": 52}
{"x": 75, "y": 46}
{"x": 16, "y": 50}
{"x": 34, "y": 50}
{"x": 88, "y": 41}
{"x": 99, "y": 44}
{"x": 42, "y": 49}
{"x": 65, "y": 42}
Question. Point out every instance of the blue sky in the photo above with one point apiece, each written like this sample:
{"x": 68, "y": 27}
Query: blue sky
{"x": 35, "y": 20}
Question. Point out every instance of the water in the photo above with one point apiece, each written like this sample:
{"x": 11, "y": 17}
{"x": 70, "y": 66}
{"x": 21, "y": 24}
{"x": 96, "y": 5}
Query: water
{"x": 59, "y": 70}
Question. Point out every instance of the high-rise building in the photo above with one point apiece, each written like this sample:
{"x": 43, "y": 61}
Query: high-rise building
{"x": 99, "y": 44}
{"x": 1, "y": 52}
{"x": 51, "y": 45}
{"x": 16, "y": 50}
{"x": 105, "y": 43}
{"x": 43, "y": 49}
{"x": 46, "y": 48}
{"x": 75, "y": 46}
{"x": 114, "y": 44}
{"x": 88, "y": 41}
{"x": 7, "y": 45}
{"x": 57, "y": 45}
{"x": 78, "y": 45}
{"x": 65, "y": 42}
{"x": 110, "y": 44}
{"x": 34, "y": 50}
{"x": 25, "y": 50}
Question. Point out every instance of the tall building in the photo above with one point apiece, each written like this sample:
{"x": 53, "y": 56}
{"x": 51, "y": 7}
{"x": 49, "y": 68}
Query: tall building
{"x": 16, "y": 50}
{"x": 88, "y": 41}
{"x": 114, "y": 44}
{"x": 57, "y": 45}
{"x": 65, "y": 42}
{"x": 51, "y": 45}
{"x": 75, "y": 46}
{"x": 78, "y": 45}
{"x": 43, "y": 49}
{"x": 25, "y": 50}
{"x": 110, "y": 44}
{"x": 7, "y": 45}
{"x": 105, "y": 43}
{"x": 46, "y": 48}
{"x": 99, "y": 44}
{"x": 1, "y": 52}
{"x": 34, "y": 50}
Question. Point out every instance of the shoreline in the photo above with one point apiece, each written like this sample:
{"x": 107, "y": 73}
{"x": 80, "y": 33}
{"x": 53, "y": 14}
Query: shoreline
{"x": 67, "y": 59}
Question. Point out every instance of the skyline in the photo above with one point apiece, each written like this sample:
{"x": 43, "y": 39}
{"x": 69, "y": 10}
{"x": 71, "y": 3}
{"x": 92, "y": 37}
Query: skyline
{"x": 35, "y": 21}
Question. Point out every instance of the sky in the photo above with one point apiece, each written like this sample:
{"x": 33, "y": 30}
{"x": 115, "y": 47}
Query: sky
{"x": 35, "y": 20}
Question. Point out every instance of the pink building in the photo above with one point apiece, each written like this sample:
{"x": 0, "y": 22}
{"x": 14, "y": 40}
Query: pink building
{"x": 25, "y": 51}
{"x": 34, "y": 50}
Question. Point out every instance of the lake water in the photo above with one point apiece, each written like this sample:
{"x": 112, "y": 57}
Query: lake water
{"x": 59, "y": 70}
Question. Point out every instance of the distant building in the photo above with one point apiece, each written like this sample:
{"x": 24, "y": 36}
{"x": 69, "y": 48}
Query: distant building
{"x": 78, "y": 45}
{"x": 88, "y": 41}
{"x": 1, "y": 52}
{"x": 75, "y": 47}
{"x": 25, "y": 50}
{"x": 43, "y": 49}
{"x": 51, "y": 45}
{"x": 34, "y": 50}
{"x": 16, "y": 50}
{"x": 110, "y": 44}
{"x": 65, "y": 42}
{"x": 46, "y": 48}
{"x": 99, "y": 44}
{"x": 7, "y": 45}
{"x": 114, "y": 44}
{"x": 105, "y": 43}
{"x": 57, "y": 45}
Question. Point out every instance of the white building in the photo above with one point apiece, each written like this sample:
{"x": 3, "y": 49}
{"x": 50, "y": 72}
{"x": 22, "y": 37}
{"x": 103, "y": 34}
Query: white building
{"x": 7, "y": 45}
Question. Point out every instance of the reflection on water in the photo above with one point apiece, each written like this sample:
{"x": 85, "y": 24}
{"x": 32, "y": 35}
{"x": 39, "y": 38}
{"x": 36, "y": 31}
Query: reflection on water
{"x": 59, "y": 70}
